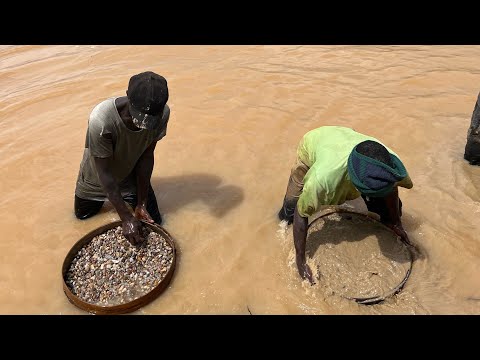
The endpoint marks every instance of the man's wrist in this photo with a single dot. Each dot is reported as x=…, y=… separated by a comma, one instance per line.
x=124, y=216
x=142, y=204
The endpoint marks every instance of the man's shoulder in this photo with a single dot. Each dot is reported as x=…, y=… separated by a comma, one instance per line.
x=105, y=106
x=103, y=113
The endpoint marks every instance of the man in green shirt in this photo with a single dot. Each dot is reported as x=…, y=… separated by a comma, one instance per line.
x=118, y=157
x=335, y=164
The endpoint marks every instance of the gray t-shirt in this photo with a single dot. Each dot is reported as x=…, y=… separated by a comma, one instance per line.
x=109, y=137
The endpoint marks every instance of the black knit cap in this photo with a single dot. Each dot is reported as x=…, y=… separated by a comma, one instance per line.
x=147, y=93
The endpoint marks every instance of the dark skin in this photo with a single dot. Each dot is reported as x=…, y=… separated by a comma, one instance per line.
x=130, y=222
x=390, y=217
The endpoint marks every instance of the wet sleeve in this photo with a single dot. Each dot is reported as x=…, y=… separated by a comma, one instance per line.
x=99, y=138
x=318, y=191
x=304, y=207
x=312, y=197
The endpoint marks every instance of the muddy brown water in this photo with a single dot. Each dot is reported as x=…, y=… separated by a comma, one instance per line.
x=237, y=114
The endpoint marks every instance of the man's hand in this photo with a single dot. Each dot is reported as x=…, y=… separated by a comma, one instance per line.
x=131, y=230
x=305, y=271
x=141, y=213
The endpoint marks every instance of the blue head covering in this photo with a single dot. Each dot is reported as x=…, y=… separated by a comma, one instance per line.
x=372, y=177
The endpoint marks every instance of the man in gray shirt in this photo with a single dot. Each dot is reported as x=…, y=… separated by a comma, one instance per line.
x=118, y=158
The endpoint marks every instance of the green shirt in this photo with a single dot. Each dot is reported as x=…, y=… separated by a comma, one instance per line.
x=108, y=137
x=325, y=151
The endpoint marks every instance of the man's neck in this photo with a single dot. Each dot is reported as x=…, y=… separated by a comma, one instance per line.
x=122, y=108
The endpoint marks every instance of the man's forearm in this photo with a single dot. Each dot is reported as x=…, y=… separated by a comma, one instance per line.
x=144, y=169
x=111, y=188
x=299, y=234
x=115, y=197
